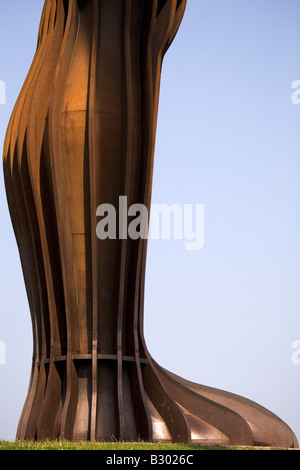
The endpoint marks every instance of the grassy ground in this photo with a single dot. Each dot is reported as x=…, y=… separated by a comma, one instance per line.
x=110, y=446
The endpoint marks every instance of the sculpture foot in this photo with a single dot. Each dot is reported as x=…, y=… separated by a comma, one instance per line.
x=140, y=400
x=183, y=411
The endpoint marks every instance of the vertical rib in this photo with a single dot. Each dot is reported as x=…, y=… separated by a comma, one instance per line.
x=63, y=211
x=93, y=157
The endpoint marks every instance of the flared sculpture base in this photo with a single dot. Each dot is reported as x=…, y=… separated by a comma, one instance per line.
x=173, y=409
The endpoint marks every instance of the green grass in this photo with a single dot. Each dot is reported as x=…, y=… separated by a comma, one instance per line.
x=110, y=446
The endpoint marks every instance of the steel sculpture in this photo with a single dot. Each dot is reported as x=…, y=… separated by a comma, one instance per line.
x=82, y=133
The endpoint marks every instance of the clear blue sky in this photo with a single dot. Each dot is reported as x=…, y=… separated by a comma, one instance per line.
x=229, y=138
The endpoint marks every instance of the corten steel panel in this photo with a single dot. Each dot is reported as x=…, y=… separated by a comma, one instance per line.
x=81, y=134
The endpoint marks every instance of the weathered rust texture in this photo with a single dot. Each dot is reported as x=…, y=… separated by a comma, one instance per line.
x=81, y=134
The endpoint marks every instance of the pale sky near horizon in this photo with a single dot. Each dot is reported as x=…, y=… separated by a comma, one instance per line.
x=229, y=138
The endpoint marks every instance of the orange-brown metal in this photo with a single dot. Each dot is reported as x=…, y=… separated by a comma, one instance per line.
x=81, y=134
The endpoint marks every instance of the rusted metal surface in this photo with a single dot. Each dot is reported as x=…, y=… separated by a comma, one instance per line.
x=81, y=134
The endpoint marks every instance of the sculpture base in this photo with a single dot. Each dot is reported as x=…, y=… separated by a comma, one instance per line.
x=217, y=417
x=174, y=409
